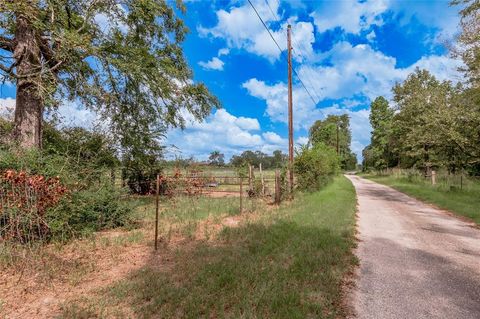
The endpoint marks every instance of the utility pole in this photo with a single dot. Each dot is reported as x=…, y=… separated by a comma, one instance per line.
x=290, y=109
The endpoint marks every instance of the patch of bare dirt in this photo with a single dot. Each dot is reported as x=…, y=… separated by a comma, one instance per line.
x=38, y=288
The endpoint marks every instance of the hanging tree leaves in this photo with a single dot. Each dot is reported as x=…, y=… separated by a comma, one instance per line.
x=121, y=59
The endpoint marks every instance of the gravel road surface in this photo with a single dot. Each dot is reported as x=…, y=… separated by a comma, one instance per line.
x=416, y=261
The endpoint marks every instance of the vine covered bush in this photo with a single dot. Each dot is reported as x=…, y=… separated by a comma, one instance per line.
x=315, y=166
x=52, y=194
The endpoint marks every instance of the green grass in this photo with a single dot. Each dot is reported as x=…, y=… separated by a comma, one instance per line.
x=288, y=263
x=462, y=202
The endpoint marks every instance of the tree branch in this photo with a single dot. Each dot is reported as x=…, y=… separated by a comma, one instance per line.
x=48, y=53
x=8, y=70
x=7, y=44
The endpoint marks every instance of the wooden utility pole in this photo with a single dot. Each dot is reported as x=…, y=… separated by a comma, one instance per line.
x=290, y=110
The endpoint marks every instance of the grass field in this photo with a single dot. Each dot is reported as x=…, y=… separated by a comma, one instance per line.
x=287, y=262
x=464, y=202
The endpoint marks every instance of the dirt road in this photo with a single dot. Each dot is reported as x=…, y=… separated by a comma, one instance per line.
x=415, y=261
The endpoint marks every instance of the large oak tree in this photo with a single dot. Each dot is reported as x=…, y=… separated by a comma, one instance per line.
x=120, y=58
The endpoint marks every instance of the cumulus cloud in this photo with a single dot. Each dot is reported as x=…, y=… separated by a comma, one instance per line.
x=354, y=75
x=224, y=132
x=241, y=29
x=351, y=16
x=223, y=51
x=214, y=64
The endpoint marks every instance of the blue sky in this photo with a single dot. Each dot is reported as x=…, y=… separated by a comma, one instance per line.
x=346, y=53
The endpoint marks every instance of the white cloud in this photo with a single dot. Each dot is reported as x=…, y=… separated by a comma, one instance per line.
x=272, y=137
x=72, y=114
x=302, y=140
x=351, y=16
x=214, y=64
x=224, y=51
x=7, y=108
x=436, y=14
x=354, y=75
x=371, y=36
x=224, y=132
x=241, y=29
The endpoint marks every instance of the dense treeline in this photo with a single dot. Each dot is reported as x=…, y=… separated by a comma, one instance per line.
x=432, y=124
x=255, y=158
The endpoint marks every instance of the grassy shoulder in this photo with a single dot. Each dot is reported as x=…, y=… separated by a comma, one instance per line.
x=462, y=202
x=288, y=262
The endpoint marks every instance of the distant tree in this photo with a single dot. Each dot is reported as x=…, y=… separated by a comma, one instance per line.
x=255, y=158
x=278, y=159
x=381, y=118
x=468, y=41
x=122, y=59
x=216, y=158
x=335, y=132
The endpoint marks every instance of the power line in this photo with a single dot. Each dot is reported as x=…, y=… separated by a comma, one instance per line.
x=307, y=75
x=281, y=51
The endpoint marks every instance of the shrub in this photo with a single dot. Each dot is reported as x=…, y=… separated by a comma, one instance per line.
x=315, y=166
x=90, y=204
x=89, y=210
x=24, y=200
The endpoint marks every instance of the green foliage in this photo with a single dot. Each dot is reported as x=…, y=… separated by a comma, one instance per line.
x=436, y=124
x=83, y=162
x=334, y=132
x=216, y=158
x=121, y=59
x=315, y=166
x=141, y=164
x=469, y=41
x=462, y=202
x=379, y=154
x=93, y=209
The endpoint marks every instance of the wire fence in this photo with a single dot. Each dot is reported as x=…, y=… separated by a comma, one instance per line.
x=24, y=200
x=441, y=179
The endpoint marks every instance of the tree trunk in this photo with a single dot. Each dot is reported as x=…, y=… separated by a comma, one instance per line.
x=29, y=104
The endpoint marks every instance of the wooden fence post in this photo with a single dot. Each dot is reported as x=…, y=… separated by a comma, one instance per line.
x=261, y=178
x=277, y=187
x=289, y=184
x=156, y=210
x=434, y=177
x=241, y=195
x=250, y=177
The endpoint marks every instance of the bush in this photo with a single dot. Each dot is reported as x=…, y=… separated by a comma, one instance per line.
x=89, y=210
x=315, y=166
x=90, y=202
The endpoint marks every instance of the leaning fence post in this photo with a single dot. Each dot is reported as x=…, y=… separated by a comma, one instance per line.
x=241, y=195
x=434, y=177
x=277, y=187
x=250, y=177
x=156, y=210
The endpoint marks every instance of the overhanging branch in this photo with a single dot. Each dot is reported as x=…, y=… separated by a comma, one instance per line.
x=8, y=70
x=7, y=44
